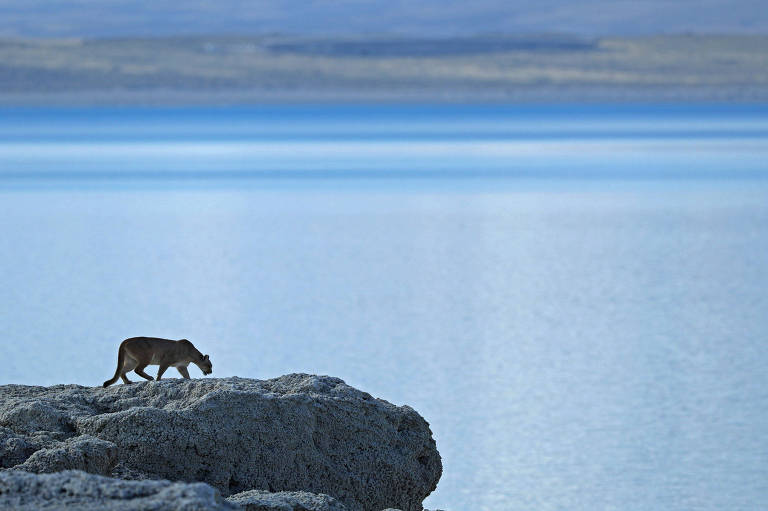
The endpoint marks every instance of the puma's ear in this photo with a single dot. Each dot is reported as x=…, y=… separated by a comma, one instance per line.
x=205, y=357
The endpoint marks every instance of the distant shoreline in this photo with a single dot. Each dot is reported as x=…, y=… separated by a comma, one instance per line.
x=164, y=97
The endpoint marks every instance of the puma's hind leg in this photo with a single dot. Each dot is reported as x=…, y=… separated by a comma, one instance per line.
x=140, y=371
x=129, y=365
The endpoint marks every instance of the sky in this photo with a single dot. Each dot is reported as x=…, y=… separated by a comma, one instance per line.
x=125, y=18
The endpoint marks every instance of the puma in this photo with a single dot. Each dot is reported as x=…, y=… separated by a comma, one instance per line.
x=137, y=353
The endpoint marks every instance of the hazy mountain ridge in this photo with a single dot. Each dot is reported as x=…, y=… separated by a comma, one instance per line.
x=488, y=68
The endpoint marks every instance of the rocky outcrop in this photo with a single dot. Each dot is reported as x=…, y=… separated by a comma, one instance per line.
x=75, y=490
x=258, y=500
x=294, y=433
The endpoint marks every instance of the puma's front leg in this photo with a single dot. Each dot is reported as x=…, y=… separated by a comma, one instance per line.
x=183, y=371
x=161, y=371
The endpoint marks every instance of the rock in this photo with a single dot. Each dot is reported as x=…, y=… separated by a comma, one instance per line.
x=13, y=448
x=295, y=432
x=35, y=415
x=77, y=453
x=22, y=491
x=258, y=500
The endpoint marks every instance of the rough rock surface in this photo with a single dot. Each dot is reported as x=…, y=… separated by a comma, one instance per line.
x=23, y=491
x=258, y=500
x=295, y=432
x=77, y=453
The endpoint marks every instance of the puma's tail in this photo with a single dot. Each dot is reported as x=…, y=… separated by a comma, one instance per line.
x=120, y=361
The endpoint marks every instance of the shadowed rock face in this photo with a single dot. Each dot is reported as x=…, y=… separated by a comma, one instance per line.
x=22, y=491
x=77, y=453
x=296, y=432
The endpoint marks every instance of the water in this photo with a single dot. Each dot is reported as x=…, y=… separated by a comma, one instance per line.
x=573, y=297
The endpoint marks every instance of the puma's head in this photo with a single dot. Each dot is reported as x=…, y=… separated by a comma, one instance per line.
x=205, y=365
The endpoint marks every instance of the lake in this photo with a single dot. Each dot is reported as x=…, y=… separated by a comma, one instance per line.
x=574, y=297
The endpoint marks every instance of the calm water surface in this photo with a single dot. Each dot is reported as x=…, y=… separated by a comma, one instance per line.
x=573, y=297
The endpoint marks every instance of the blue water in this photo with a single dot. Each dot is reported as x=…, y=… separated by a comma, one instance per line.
x=573, y=297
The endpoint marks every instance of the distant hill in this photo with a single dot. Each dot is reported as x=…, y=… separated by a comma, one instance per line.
x=149, y=18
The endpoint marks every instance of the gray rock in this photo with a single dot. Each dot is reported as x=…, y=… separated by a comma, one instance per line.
x=258, y=500
x=14, y=449
x=295, y=432
x=77, y=453
x=76, y=490
x=34, y=415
